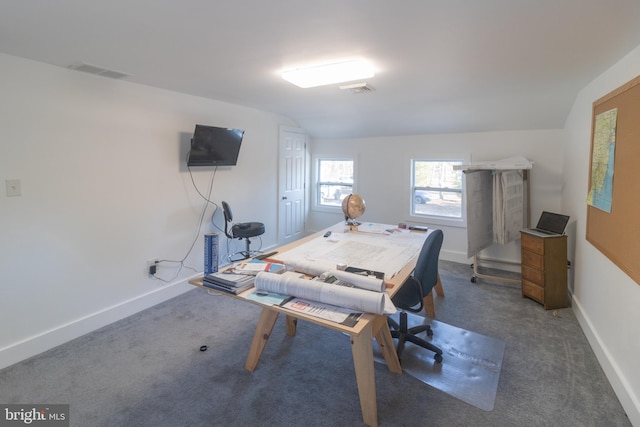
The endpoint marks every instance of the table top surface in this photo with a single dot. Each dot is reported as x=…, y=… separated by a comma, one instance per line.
x=393, y=285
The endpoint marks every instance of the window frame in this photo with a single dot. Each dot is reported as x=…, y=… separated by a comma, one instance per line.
x=438, y=219
x=317, y=204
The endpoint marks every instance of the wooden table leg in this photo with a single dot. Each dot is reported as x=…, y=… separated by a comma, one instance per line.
x=386, y=344
x=362, y=350
x=439, y=288
x=292, y=324
x=264, y=327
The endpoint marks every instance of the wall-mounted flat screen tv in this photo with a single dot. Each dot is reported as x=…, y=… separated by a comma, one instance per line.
x=214, y=146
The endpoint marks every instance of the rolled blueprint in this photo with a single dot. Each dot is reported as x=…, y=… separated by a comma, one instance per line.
x=369, y=283
x=312, y=268
x=355, y=299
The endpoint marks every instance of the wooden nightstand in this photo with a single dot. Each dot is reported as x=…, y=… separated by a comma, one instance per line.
x=544, y=269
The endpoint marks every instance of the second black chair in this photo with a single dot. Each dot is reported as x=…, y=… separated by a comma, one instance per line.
x=411, y=294
x=242, y=230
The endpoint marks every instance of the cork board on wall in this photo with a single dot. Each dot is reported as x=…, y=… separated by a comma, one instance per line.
x=617, y=233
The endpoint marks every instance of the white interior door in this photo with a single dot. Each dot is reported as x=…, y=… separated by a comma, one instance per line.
x=292, y=184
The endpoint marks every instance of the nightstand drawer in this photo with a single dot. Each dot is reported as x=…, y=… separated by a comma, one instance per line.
x=532, y=260
x=532, y=243
x=532, y=290
x=533, y=275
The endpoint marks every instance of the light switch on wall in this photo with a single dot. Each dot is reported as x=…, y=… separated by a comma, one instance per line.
x=13, y=187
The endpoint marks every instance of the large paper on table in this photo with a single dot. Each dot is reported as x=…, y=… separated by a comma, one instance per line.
x=385, y=253
x=341, y=296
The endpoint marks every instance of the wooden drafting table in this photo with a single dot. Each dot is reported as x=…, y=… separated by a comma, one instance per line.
x=361, y=335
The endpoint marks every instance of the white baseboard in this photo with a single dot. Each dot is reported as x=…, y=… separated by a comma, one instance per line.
x=47, y=340
x=500, y=264
x=620, y=385
x=455, y=256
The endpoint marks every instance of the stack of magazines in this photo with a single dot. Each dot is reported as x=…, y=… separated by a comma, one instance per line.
x=229, y=282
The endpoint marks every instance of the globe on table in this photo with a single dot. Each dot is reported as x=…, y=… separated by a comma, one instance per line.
x=353, y=207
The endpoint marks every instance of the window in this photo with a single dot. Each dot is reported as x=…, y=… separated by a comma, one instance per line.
x=437, y=189
x=335, y=181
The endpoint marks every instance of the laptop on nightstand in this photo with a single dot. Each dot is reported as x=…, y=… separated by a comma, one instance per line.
x=549, y=224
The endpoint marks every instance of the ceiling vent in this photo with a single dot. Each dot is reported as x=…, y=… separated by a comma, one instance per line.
x=100, y=71
x=358, y=88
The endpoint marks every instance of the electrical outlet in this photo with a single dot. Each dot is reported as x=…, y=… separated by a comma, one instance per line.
x=152, y=266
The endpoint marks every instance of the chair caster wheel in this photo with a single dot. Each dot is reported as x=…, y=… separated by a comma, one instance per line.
x=474, y=279
x=438, y=358
x=429, y=332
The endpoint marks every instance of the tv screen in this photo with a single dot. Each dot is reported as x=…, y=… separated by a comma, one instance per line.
x=214, y=146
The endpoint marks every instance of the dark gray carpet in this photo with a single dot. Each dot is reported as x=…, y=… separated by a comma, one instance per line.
x=147, y=370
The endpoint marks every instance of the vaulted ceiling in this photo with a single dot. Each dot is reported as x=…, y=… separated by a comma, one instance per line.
x=442, y=66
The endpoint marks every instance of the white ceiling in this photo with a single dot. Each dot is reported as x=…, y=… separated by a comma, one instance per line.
x=442, y=66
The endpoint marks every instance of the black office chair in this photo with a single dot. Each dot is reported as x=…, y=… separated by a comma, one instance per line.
x=242, y=230
x=411, y=294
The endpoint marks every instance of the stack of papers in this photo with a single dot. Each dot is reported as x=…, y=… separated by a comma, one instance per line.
x=255, y=266
x=229, y=282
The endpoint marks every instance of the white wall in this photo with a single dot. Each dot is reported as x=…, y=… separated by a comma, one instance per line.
x=104, y=189
x=383, y=176
x=606, y=300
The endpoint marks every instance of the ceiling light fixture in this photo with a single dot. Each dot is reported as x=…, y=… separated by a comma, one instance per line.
x=327, y=74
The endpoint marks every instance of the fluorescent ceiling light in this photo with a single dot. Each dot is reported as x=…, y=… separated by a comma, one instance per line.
x=327, y=74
